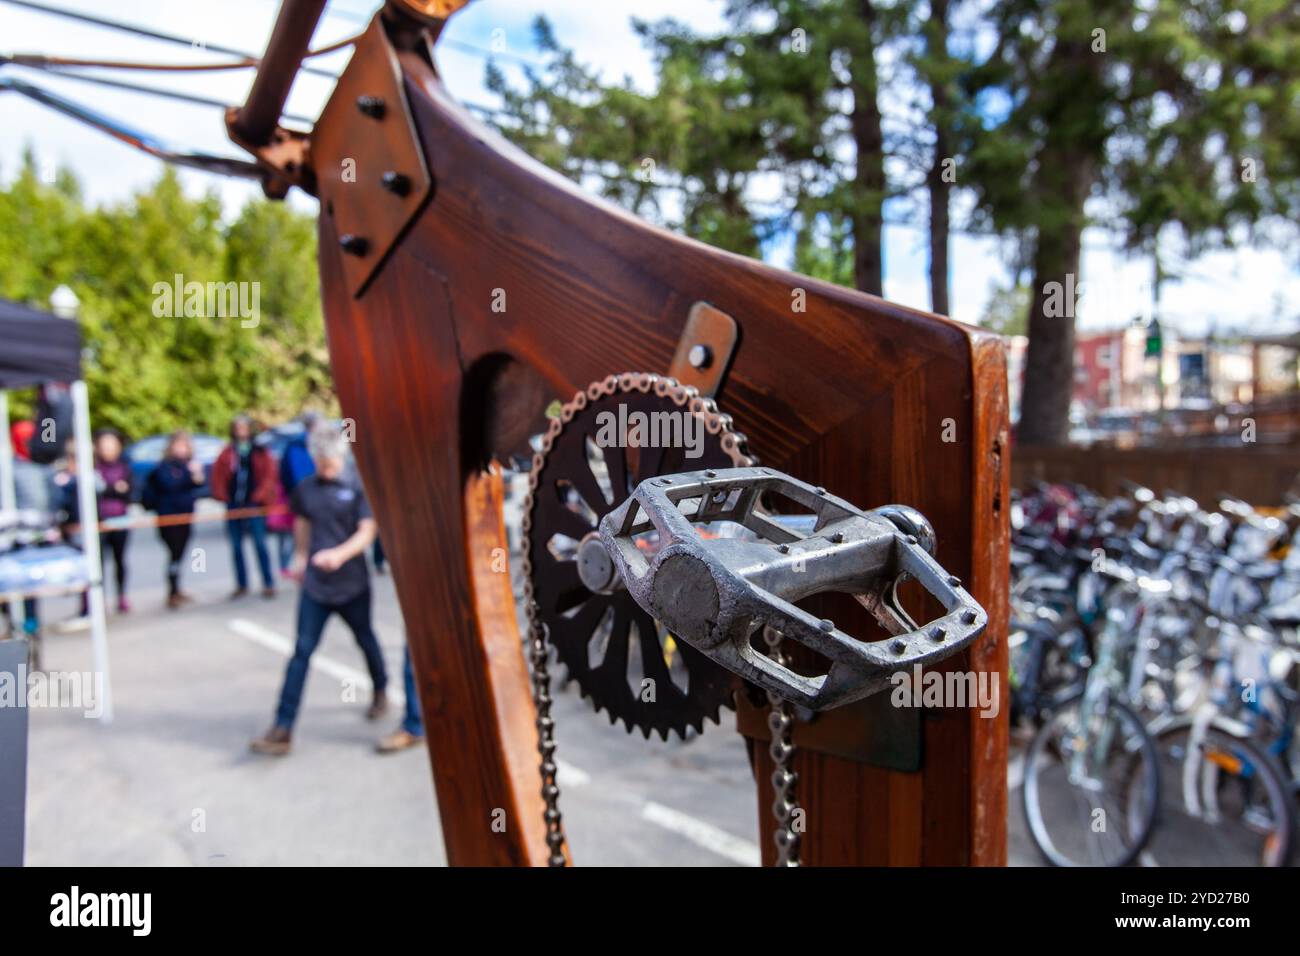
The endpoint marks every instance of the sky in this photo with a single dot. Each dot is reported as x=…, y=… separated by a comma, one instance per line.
x=1252, y=290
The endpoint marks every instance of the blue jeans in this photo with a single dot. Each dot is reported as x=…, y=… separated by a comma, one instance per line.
x=312, y=616
x=411, y=723
x=235, y=531
x=284, y=548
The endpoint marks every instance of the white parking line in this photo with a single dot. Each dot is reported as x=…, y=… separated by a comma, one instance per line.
x=702, y=834
x=1016, y=772
x=569, y=775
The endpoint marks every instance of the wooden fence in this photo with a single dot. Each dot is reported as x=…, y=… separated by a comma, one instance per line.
x=1259, y=475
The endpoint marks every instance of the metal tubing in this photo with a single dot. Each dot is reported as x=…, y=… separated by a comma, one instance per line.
x=285, y=50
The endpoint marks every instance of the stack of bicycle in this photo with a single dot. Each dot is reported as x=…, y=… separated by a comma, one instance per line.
x=1154, y=658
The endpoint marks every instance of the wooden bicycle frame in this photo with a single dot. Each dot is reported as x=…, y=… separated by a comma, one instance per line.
x=506, y=287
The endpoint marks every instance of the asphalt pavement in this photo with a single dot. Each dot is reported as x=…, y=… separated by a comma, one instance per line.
x=171, y=780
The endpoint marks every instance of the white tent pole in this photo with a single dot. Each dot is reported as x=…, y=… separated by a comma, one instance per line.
x=8, y=492
x=89, y=520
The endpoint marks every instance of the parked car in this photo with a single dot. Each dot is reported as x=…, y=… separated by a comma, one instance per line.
x=145, y=454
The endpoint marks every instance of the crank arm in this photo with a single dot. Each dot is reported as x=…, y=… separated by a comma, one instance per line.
x=716, y=593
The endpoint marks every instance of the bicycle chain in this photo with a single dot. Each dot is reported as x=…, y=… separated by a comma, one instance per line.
x=785, y=805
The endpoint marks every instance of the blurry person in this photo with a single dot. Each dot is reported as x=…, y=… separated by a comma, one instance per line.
x=67, y=508
x=113, y=485
x=244, y=477
x=32, y=492
x=280, y=523
x=411, y=732
x=296, y=463
x=63, y=493
x=171, y=490
x=332, y=530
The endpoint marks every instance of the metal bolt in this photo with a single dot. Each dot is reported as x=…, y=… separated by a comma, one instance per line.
x=399, y=184
x=954, y=580
x=372, y=106
x=820, y=490
x=837, y=537
x=710, y=474
x=354, y=245
x=938, y=634
x=898, y=647
x=700, y=356
x=783, y=548
x=968, y=616
x=826, y=625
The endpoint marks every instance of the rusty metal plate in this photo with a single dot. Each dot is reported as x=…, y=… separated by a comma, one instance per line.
x=711, y=335
x=371, y=174
x=870, y=731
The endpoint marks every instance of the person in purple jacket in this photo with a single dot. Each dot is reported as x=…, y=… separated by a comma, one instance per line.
x=113, y=489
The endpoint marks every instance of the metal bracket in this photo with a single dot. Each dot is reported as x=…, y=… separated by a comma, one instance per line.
x=871, y=731
x=371, y=173
x=705, y=349
x=285, y=161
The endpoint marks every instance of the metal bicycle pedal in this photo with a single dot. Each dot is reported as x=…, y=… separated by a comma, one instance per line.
x=715, y=593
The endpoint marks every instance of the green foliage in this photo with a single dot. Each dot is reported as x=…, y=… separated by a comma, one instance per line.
x=1007, y=310
x=148, y=373
x=774, y=94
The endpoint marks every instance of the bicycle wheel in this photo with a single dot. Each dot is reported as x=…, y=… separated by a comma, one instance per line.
x=1091, y=785
x=1224, y=802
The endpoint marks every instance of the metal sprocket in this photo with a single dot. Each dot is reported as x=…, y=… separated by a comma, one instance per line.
x=575, y=482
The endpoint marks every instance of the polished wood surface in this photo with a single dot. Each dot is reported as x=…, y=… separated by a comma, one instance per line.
x=852, y=392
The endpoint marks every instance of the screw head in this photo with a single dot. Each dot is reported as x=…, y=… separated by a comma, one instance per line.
x=399, y=184
x=825, y=625
x=700, y=356
x=372, y=106
x=354, y=245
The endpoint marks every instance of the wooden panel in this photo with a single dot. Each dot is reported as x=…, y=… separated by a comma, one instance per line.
x=852, y=393
x=1260, y=475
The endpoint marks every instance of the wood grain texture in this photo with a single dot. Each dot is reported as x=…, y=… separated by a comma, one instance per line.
x=852, y=393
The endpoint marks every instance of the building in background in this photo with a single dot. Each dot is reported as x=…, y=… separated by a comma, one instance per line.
x=1141, y=379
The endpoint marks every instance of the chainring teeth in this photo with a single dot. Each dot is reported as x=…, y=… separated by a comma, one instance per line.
x=710, y=687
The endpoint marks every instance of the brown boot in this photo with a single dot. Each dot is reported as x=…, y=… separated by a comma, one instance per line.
x=273, y=743
x=378, y=707
x=398, y=740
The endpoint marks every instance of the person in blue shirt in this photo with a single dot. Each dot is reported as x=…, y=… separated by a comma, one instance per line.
x=170, y=491
x=296, y=462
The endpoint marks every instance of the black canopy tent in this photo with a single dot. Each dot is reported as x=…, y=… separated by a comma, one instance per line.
x=37, y=347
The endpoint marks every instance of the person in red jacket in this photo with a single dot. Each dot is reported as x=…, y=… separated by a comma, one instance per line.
x=243, y=477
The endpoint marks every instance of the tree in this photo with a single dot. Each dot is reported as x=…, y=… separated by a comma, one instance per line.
x=1007, y=310
x=788, y=89
x=149, y=372
x=1145, y=110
